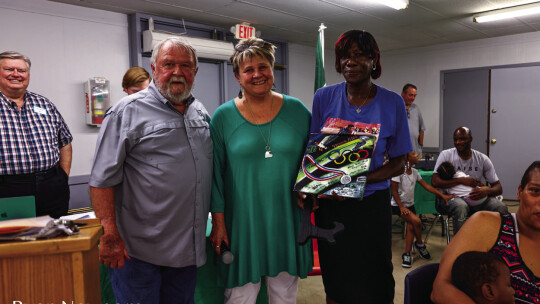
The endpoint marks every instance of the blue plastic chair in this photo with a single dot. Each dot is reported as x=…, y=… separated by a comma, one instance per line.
x=419, y=284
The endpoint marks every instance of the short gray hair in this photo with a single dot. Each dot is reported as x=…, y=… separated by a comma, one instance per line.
x=249, y=48
x=16, y=55
x=176, y=41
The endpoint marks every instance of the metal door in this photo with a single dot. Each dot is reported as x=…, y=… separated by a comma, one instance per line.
x=514, y=124
x=465, y=103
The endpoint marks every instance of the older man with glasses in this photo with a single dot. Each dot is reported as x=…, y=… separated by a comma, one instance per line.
x=150, y=184
x=414, y=116
x=35, y=142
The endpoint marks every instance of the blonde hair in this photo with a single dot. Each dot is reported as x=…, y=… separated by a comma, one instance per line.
x=134, y=77
x=249, y=48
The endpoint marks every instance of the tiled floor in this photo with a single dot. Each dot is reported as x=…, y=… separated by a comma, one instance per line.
x=311, y=290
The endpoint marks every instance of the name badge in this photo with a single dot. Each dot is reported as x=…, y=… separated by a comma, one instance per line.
x=39, y=110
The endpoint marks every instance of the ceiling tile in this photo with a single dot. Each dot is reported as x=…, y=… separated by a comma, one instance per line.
x=424, y=22
x=306, y=8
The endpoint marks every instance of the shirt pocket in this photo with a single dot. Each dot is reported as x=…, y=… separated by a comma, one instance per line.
x=199, y=130
x=162, y=143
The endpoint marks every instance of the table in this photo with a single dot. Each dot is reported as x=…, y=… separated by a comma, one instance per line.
x=53, y=270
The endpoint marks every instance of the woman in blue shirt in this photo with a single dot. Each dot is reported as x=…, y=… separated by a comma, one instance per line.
x=357, y=268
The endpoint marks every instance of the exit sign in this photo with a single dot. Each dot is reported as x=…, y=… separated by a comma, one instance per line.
x=244, y=31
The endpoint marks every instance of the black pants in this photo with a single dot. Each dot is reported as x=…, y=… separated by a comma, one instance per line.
x=358, y=267
x=50, y=189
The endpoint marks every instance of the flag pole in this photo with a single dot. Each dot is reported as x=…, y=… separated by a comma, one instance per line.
x=320, y=80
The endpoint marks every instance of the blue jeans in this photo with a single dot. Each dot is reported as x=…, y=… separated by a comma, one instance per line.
x=140, y=282
x=459, y=210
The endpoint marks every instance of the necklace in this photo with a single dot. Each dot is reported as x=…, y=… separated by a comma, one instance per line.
x=268, y=153
x=358, y=110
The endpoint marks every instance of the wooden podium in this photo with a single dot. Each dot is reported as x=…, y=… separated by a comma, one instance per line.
x=58, y=270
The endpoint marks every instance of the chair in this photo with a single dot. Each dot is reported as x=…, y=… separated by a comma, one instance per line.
x=425, y=204
x=419, y=284
x=444, y=218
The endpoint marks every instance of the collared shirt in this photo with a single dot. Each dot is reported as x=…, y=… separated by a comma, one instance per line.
x=30, y=138
x=416, y=125
x=160, y=163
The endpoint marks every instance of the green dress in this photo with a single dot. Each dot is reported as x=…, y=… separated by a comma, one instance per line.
x=255, y=193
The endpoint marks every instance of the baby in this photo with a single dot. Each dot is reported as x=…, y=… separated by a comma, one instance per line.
x=447, y=171
x=483, y=277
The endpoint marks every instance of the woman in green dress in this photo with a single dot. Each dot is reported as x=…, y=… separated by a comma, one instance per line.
x=259, y=140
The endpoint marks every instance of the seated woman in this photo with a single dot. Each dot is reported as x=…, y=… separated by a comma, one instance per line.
x=513, y=237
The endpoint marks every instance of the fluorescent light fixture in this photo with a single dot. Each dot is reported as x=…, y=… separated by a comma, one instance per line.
x=396, y=4
x=510, y=12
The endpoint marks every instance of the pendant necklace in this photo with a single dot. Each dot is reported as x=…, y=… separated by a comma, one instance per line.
x=268, y=153
x=358, y=110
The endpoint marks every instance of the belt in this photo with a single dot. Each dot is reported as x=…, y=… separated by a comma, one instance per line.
x=31, y=177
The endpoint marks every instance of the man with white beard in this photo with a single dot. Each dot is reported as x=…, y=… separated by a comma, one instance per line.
x=150, y=183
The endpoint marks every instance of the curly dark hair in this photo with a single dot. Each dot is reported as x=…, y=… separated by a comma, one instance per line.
x=446, y=170
x=474, y=268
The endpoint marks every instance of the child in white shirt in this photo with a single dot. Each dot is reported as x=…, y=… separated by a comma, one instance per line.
x=403, y=205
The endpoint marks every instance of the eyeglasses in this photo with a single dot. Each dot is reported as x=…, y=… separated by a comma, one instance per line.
x=359, y=57
x=408, y=114
x=242, y=46
x=186, y=68
x=13, y=70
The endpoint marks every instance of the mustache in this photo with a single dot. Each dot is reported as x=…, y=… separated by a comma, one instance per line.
x=177, y=79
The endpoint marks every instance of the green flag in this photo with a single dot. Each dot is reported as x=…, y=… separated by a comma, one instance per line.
x=320, y=80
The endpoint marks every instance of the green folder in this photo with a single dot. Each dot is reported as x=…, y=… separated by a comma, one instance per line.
x=17, y=207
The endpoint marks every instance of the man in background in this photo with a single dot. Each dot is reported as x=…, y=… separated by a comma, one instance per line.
x=414, y=116
x=35, y=142
x=150, y=183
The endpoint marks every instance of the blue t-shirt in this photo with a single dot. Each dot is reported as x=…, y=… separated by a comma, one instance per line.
x=387, y=109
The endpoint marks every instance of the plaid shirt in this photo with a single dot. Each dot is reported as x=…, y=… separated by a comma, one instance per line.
x=30, y=139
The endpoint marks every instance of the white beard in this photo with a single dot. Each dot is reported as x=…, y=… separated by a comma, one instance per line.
x=175, y=99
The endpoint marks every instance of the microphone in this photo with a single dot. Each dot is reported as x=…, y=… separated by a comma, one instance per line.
x=226, y=255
